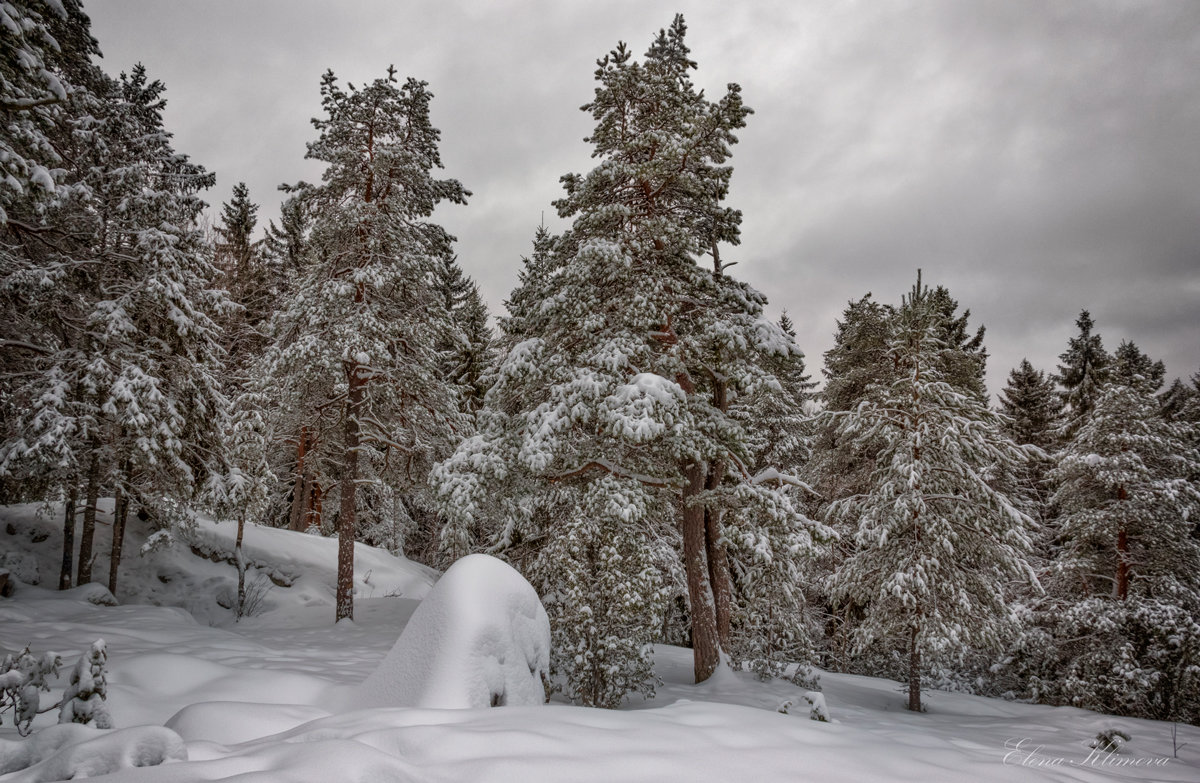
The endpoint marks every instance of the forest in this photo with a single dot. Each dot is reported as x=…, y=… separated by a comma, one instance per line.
x=632, y=434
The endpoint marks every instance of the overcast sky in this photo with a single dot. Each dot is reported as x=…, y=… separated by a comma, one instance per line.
x=1034, y=157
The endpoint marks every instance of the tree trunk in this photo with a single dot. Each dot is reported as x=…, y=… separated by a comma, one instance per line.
x=346, y=519
x=914, y=672
x=120, y=514
x=1122, y=565
x=68, y=554
x=297, y=518
x=89, y=523
x=714, y=545
x=718, y=560
x=1122, y=555
x=706, y=646
x=240, y=562
x=313, y=515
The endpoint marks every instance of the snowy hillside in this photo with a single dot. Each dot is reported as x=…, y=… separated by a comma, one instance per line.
x=259, y=699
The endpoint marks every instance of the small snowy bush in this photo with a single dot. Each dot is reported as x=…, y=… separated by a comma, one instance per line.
x=85, y=700
x=22, y=680
x=817, y=709
x=1110, y=740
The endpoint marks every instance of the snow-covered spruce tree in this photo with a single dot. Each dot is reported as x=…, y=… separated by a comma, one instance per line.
x=153, y=347
x=361, y=324
x=467, y=351
x=45, y=82
x=1126, y=486
x=285, y=244
x=856, y=362
x=254, y=279
x=1179, y=397
x=1084, y=369
x=1132, y=367
x=124, y=400
x=632, y=351
x=1032, y=409
x=935, y=543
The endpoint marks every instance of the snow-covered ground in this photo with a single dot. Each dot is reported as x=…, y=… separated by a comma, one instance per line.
x=272, y=697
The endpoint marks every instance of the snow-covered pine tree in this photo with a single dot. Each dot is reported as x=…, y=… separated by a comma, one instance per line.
x=361, y=325
x=243, y=487
x=1084, y=369
x=769, y=629
x=935, y=544
x=604, y=586
x=1123, y=484
x=1126, y=487
x=631, y=350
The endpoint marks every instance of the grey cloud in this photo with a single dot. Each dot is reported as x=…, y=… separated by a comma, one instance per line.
x=1035, y=157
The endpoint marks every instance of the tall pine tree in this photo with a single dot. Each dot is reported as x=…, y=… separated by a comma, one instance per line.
x=935, y=543
x=634, y=354
x=362, y=323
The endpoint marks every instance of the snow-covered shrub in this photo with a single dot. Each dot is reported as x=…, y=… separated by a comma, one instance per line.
x=85, y=699
x=817, y=709
x=22, y=566
x=806, y=677
x=480, y=638
x=1110, y=740
x=22, y=680
x=604, y=593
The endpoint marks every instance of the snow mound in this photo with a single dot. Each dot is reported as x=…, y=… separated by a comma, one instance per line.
x=69, y=751
x=480, y=638
x=232, y=722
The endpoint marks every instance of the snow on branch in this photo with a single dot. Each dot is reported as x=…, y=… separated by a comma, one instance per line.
x=767, y=475
x=608, y=467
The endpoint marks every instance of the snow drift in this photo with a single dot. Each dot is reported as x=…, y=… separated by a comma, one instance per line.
x=480, y=638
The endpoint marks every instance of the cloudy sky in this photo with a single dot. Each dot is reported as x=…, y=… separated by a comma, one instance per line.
x=1036, y=157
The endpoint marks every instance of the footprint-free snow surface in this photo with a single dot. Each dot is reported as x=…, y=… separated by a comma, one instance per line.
x=272, y=697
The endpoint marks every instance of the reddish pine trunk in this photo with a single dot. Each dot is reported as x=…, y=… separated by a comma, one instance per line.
x=120, y=514
x=706, y=647
x=914, y=672
x=314, y=505
x=68, y=554
x=298, y=517
x=89, y=523
x=346, y=518
x=718, y=561
x=1122, y=554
